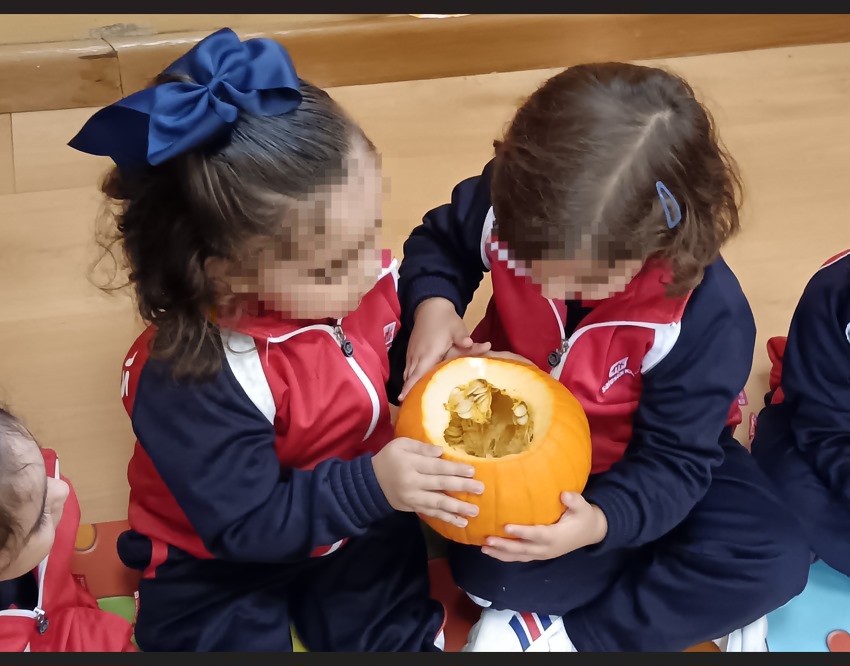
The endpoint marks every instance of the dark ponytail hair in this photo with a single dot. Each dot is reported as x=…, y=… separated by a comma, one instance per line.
x=170, y=219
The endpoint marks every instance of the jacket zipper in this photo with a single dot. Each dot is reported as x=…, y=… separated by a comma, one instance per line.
x=344, y=343
x=347, y=348
x=558, y=357
x=42, y=622
x=348, y=351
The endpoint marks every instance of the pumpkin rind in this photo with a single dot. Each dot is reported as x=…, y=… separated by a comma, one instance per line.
x=523, y=488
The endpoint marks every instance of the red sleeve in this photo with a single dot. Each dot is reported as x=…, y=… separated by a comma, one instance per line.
x=776, y=354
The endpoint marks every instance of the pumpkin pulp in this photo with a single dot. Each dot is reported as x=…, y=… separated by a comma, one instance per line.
x=486, y=422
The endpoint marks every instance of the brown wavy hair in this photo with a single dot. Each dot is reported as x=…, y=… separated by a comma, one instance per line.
x=578, y=166
x=12, y=497
x=212, y=203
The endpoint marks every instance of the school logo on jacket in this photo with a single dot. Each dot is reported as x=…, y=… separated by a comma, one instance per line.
x=619, y=370
x=125, y=376
x=389, y=334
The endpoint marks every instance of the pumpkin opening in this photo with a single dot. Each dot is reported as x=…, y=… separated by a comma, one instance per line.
x=493, y=432
x=486, y=422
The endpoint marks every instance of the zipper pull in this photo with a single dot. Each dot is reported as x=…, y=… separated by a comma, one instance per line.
x=344, y=343
x=556, y=356
x=41, y=621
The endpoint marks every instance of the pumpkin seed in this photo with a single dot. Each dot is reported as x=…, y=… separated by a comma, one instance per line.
x=477, y=387
x=483, y=402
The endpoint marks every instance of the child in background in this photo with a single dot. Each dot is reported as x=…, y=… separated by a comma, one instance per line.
x=265, y=486
x=803, y=436
x=601, y=221
x=44, y=608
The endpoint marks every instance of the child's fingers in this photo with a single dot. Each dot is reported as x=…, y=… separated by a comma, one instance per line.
x=410, y=366
x=452, y=484
x=420, y=364
x=538, y=534
x=509, y=356
x=415, y=354
x=455, y=352
x=480, y=348
x=461, y=338
x=437, y=501
x=506, y=555
x=446, y=517
x=510, y=550
x=477, y=349
x=405, y=389
x=421, y=448
x=440, y=467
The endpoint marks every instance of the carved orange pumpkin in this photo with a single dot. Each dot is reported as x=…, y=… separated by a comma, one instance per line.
x=523, y=431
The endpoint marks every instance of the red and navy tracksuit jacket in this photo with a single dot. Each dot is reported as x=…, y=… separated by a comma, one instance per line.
x=657, y=376
x=267, y=463
x=48, y=610
x=802, y=436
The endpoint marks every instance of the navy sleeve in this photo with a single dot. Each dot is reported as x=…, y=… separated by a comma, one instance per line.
x=816, y=376
x=678, y=424
x=216, y=454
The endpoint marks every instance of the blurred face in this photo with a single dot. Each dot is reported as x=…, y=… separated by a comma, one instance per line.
x=37, y=512
x=334, y=258
x=586, y=279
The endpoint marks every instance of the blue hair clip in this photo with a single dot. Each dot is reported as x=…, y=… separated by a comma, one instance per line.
x=666, y=200
x=229, y=76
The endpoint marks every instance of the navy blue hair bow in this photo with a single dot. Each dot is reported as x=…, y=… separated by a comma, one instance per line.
x=158, y=123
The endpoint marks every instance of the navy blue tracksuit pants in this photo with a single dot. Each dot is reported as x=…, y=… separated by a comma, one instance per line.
x=372, y=595
x=823, y=514
x=736, y=557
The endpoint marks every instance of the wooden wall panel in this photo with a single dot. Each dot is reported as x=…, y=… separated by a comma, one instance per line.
x=43, y=160
x=61, y=75
x=373, y=48
x=7, y=160
x=409, y=49
x=34, y=28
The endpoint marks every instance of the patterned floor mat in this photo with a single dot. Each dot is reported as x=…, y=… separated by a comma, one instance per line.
x=818, y=620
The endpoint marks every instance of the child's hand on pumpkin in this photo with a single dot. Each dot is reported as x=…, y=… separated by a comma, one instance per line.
x=414, y=478
x=581, y=525
x=438, y=334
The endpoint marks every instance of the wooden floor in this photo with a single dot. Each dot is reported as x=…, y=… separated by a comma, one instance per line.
x=785, y=114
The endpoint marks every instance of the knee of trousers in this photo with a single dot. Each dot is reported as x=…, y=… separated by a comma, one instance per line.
x=783, y=570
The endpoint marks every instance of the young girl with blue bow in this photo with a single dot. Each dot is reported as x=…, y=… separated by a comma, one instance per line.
x=265, y=486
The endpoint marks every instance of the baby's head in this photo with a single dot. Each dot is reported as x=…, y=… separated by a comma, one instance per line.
x=606, y=166
x=31, y=502
x=278, y=210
